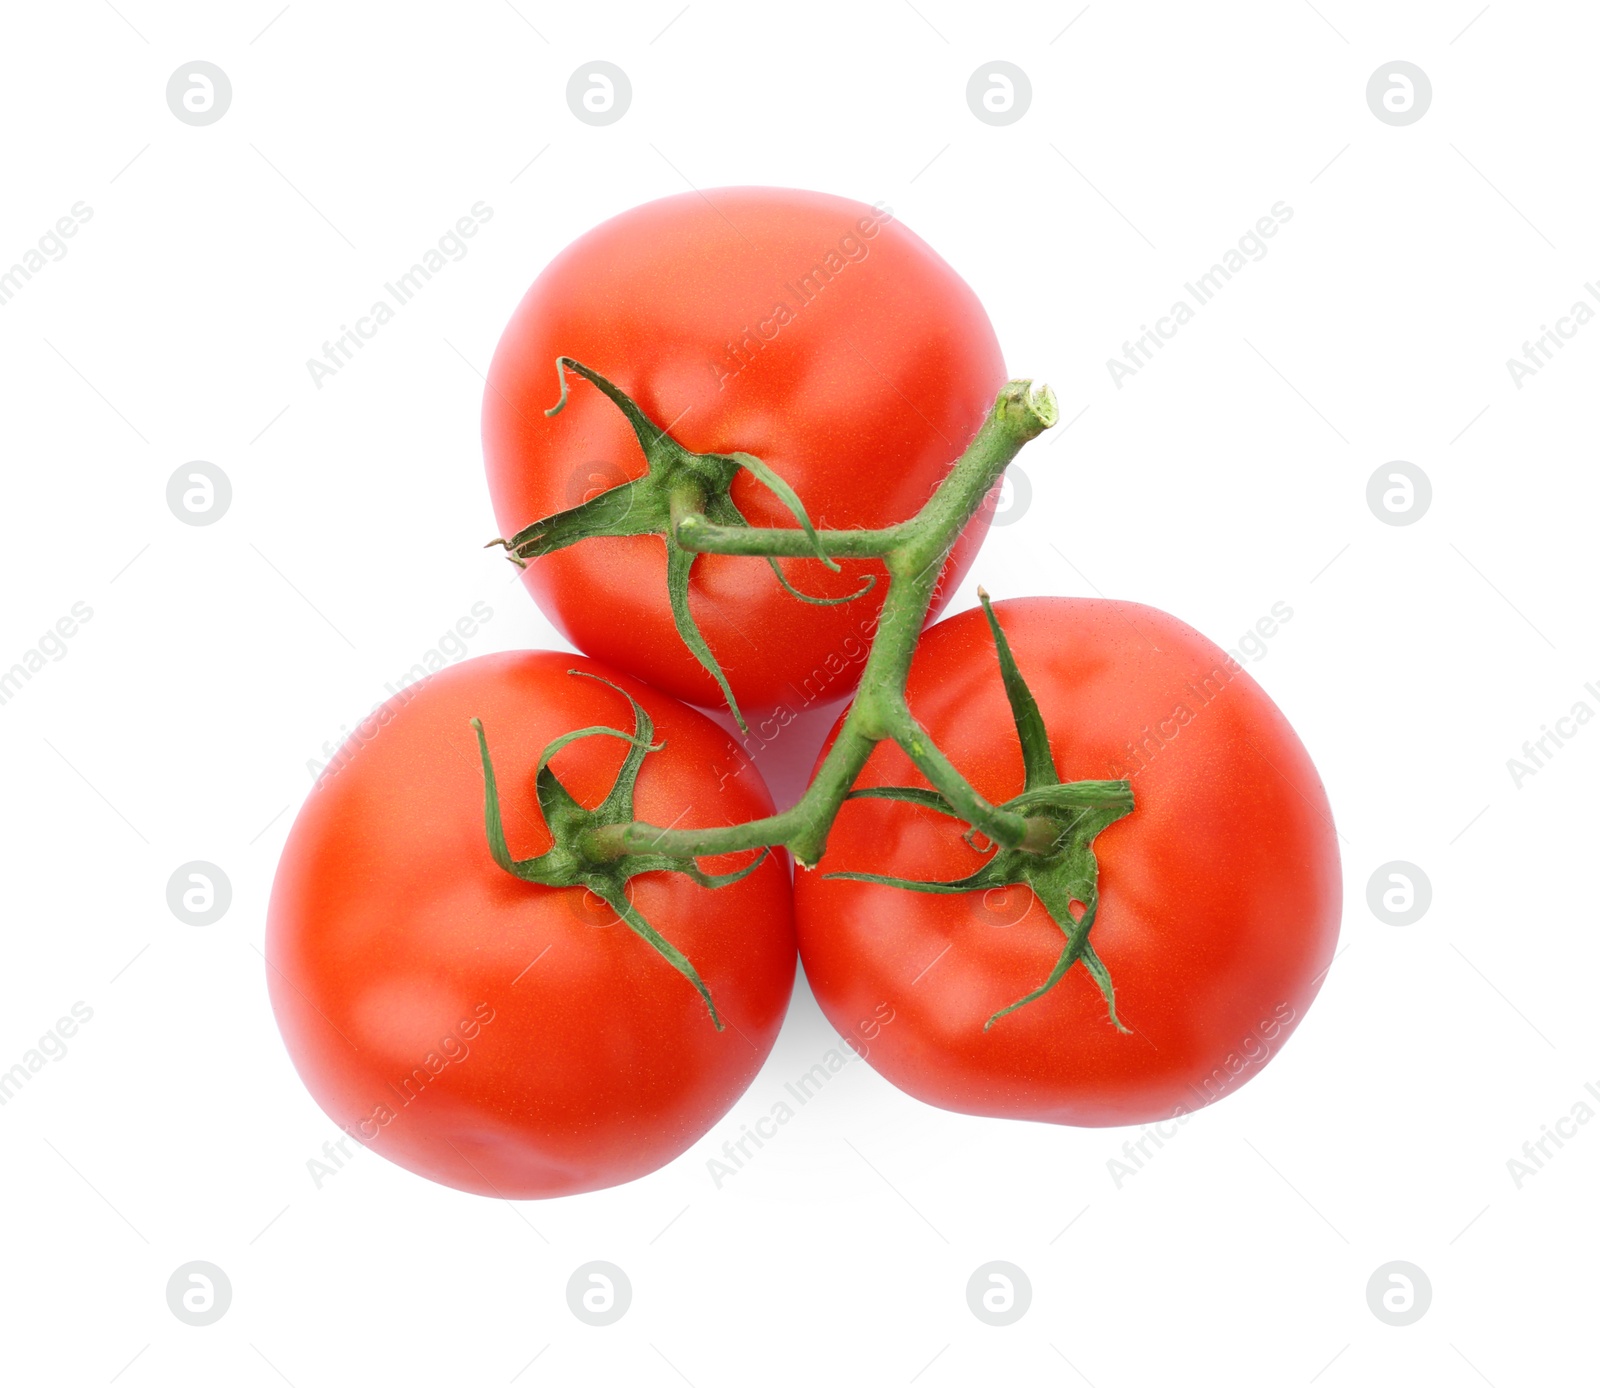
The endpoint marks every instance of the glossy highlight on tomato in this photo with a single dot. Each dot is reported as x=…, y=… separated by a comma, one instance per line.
x=496, y=1035
x=1219, y=895
x=815, y=332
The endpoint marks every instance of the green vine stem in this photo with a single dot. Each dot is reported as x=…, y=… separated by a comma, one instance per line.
x=913, y=552
x=1040, y=838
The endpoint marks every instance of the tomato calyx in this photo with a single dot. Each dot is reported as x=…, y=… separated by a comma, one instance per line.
x=679, y=489
x=1056, y=860
x=576, y=857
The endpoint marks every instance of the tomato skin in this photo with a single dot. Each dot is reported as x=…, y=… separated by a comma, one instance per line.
x=401, y=959
x=862, y=401
x=1219, y=895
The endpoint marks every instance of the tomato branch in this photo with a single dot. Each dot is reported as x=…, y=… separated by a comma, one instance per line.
x=914, y=553
x=694, y=532
x=1041, y=838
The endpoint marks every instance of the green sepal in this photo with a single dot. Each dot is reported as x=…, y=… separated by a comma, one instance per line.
x=984, y=879
x=499, y=850
x=679, y=564
x=1063, y=962
x=644, y=428
x=786, y=494
x=567, y=863
x=1102, y=977
x=1069, y=871
x=561, y=810
x=869, y=582
x=696, y=483
x=1039, y=766
x=616, y=898
x=633, y=508
x=1056, y=885
x=661, y=862
x=620, y=797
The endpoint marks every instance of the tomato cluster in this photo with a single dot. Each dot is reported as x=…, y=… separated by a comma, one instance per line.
x=490, y=970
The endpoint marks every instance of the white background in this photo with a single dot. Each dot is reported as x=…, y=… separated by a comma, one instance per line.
x=1230, y=474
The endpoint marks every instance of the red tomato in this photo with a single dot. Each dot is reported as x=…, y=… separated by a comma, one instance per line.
x=1219, y=896
x=812, y=331
x=491, y=1034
